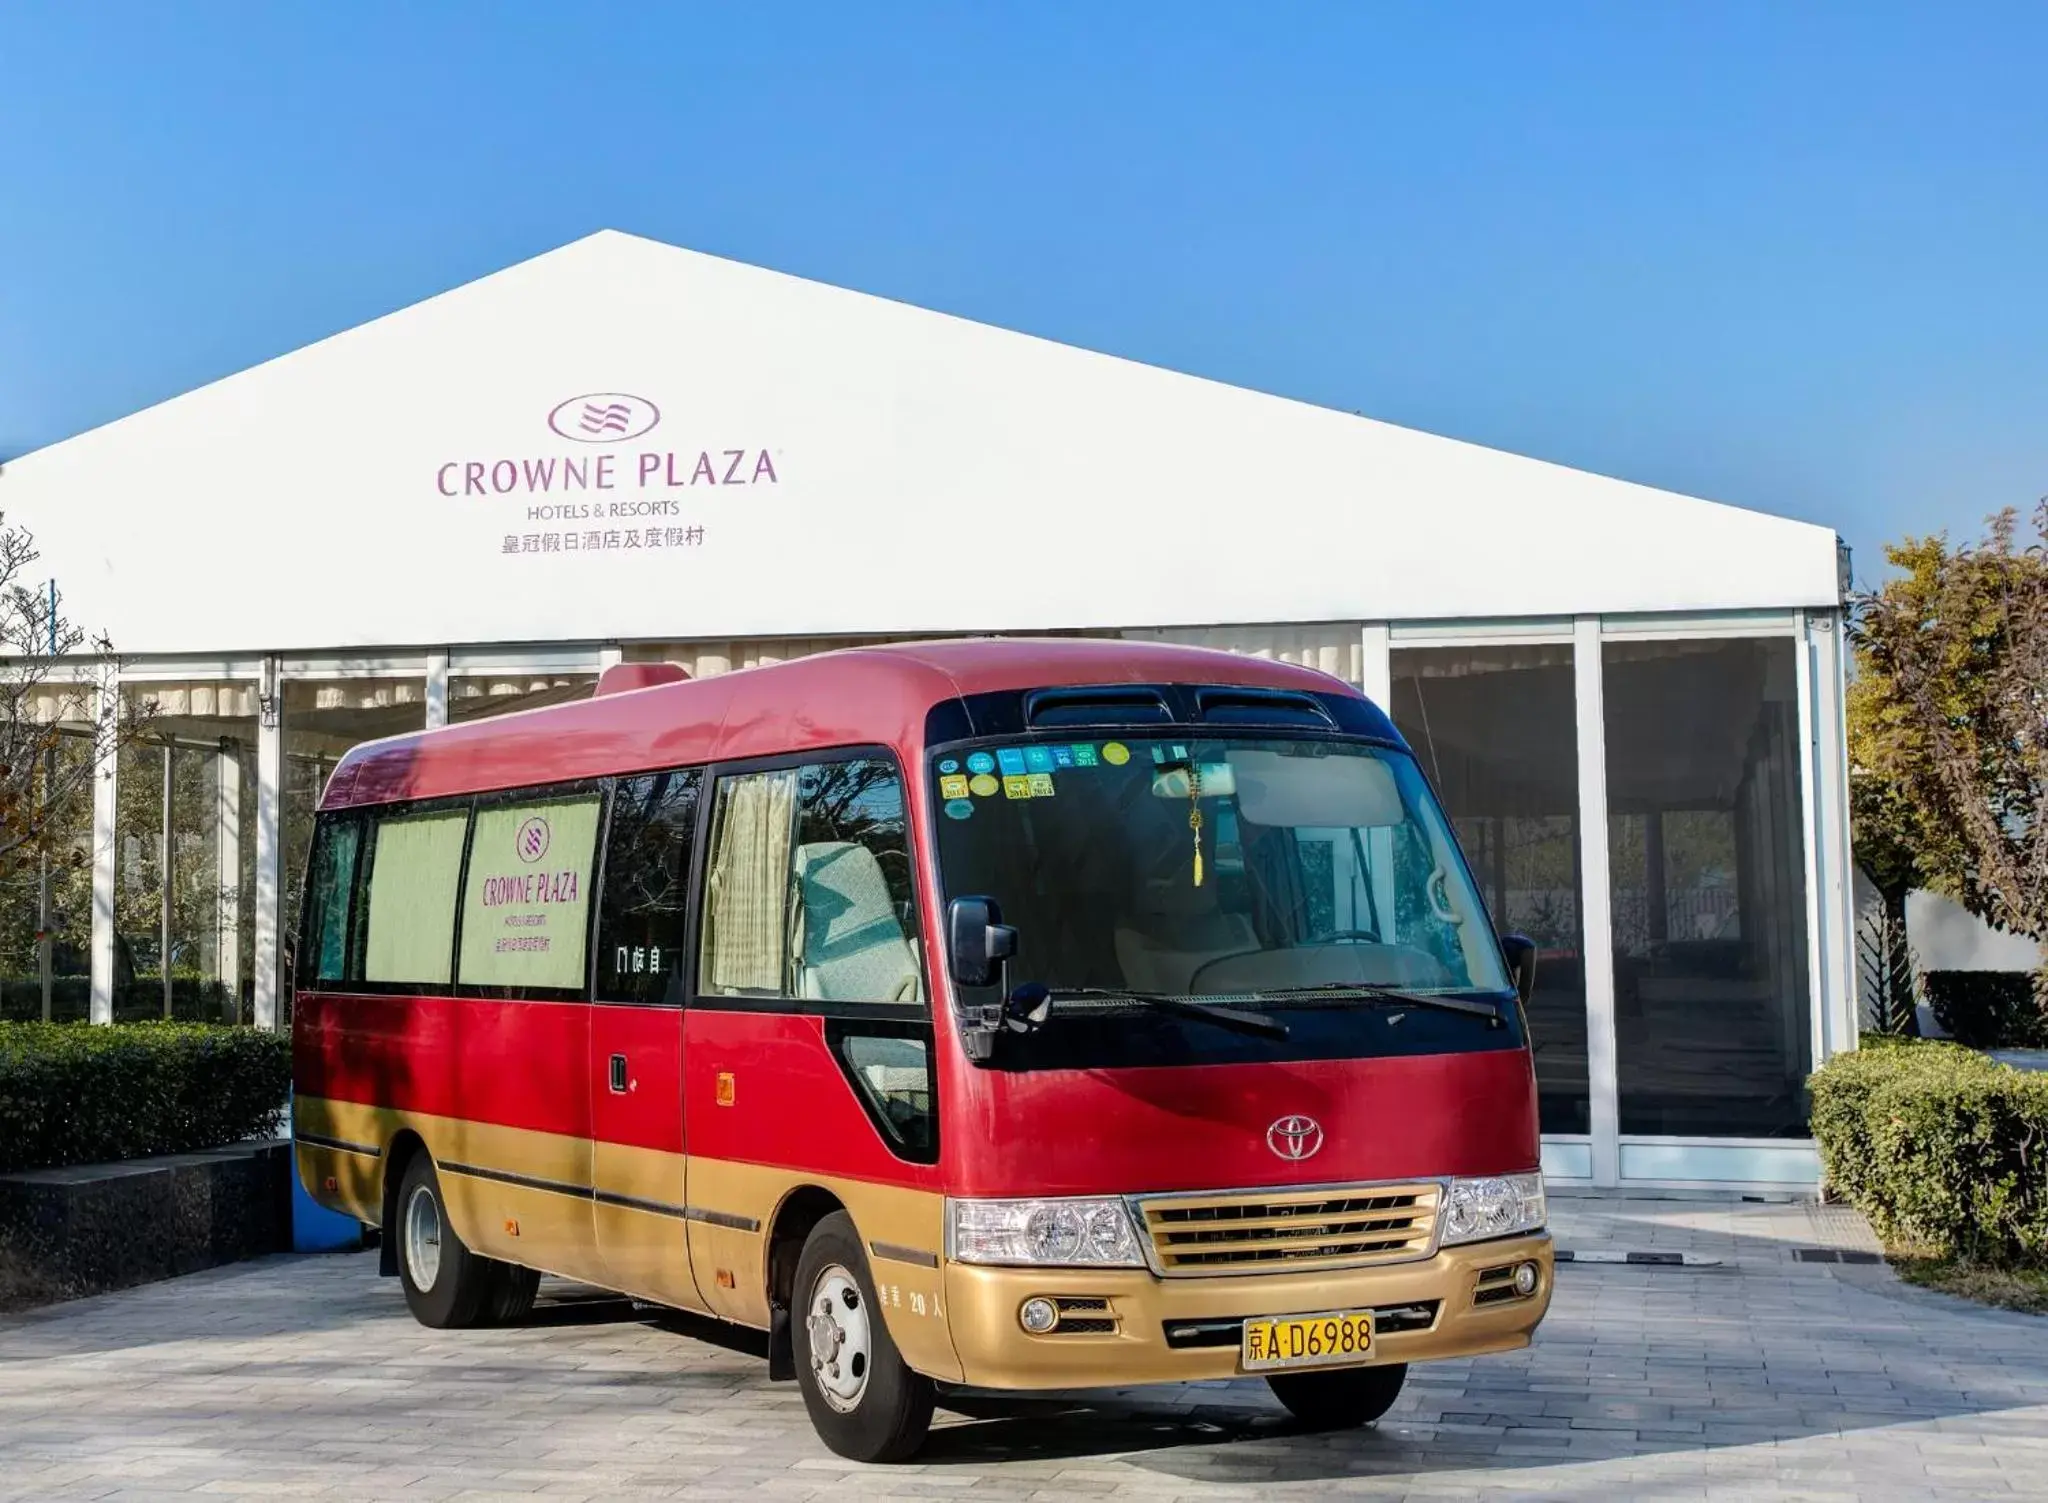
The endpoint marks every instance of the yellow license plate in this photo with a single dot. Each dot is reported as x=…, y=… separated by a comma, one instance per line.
x=1332, y=1339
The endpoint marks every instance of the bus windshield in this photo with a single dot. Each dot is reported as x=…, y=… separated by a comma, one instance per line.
x=1252, y=869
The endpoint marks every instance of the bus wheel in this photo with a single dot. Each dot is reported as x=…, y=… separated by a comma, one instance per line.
x=1340, y=1400
x=513, y=1290
x=864, y=1401
x=446, y=1285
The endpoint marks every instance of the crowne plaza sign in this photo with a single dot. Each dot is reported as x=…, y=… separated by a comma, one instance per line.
x=601, y=478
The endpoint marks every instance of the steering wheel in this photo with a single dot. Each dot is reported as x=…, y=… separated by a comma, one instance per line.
x=1358, y=936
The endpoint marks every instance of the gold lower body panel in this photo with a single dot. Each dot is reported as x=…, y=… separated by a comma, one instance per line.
x=595, y=1226
x=996, y=1352
x=951, y=1321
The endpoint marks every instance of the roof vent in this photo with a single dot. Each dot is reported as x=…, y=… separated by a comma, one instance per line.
x=1258, y=706
x=1105, y=704
x=622, y=678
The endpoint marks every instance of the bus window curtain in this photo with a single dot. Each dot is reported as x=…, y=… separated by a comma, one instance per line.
x=413, y=872
x=749, y=898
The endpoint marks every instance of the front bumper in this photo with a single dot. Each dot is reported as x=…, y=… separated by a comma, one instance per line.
x=1170, y=1330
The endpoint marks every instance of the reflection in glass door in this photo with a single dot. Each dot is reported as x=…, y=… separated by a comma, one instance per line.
x=1713, y=1021
x=1495, y=730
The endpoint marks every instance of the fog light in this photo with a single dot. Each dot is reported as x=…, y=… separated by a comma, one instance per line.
x=1525, y=1278
x=1038, y=1316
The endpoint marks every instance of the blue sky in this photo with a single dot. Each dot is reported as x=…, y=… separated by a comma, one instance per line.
x=1791, y=256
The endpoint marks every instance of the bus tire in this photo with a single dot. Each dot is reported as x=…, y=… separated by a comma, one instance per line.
x=1340, y=1400
x=864, y=1401
x=446, y=1285
x=513, y=1291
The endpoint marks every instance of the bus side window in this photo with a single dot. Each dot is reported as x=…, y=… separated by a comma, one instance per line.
x=854, y=933
x=408, y=896
x=322, y=949
x=808, y=892
x=893, y=1074
x=745, y=949
x=526, y=905
x=646, y=887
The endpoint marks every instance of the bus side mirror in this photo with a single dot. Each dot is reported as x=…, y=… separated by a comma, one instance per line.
x=1520, y=953
x=978, y=942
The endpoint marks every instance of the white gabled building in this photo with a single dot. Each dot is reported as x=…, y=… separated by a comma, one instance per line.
x=1631, y=700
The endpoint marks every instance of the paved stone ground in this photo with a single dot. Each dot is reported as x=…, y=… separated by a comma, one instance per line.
x=1762, y=1377
x=1749, y=1234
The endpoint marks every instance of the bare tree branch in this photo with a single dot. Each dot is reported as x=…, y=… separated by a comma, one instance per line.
x=61, y=717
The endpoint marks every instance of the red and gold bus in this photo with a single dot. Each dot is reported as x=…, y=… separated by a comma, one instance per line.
x=1002, y=1014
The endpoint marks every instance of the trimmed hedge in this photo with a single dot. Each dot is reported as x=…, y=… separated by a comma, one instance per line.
x=1988, y=1009
x=71, y=1093
x=1939, y=1146
x=192, y=1000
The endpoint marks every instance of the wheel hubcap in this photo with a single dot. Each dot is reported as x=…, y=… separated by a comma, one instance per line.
x=840, y=1338
x=423, y=1238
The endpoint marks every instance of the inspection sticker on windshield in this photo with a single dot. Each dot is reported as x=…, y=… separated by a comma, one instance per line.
x=1041, y=784
x=959, y=808
x=1116, y=754
x=1062, y=756
x=1017, y=785
x=1084, y=755
x=981, y=785
x=980, y=762
x=953, y=786
x=1038, y=759
x=1011, y=759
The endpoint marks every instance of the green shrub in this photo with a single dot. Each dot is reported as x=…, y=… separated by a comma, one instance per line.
x=71, y=1093
x=193, y=1000
x=1988, y=1009
x=1939, y=1147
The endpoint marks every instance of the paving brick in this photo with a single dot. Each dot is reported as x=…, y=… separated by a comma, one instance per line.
x=1762, y=1378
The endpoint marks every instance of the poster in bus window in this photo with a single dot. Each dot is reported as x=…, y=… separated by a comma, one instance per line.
x=525, y=911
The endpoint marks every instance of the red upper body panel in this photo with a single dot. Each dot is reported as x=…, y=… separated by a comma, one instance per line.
x=1051, y=1132
x=874, y=696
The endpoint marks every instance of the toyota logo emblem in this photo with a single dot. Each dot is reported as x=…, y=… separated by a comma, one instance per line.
x=1295, y=1138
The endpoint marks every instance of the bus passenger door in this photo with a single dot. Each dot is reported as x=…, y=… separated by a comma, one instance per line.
x=638, y=1163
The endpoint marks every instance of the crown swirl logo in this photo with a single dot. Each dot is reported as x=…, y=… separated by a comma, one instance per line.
x=611, y=419
x=603, y=417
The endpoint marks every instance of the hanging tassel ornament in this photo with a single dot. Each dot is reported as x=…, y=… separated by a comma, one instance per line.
x=1195, y=816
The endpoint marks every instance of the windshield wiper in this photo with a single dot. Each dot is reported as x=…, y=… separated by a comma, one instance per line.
x=1378, y=993
x=1186, y=1007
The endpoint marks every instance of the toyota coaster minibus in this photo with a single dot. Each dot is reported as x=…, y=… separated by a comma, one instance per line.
x=997, y=1014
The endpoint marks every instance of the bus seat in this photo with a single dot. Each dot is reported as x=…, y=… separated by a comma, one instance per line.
x=850, y=945
x=1175, y=929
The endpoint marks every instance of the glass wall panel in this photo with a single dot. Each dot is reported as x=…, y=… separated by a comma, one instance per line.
x=185, y=855
x=1712, y=1013
x=1495, y=729
x=475, y=696
x=323, y=718
x=53, y=890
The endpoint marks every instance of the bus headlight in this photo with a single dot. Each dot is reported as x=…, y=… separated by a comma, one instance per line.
x=1500, y=1205
x=1042, y=1233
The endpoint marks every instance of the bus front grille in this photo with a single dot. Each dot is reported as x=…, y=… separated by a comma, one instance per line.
x=1263, y=1231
